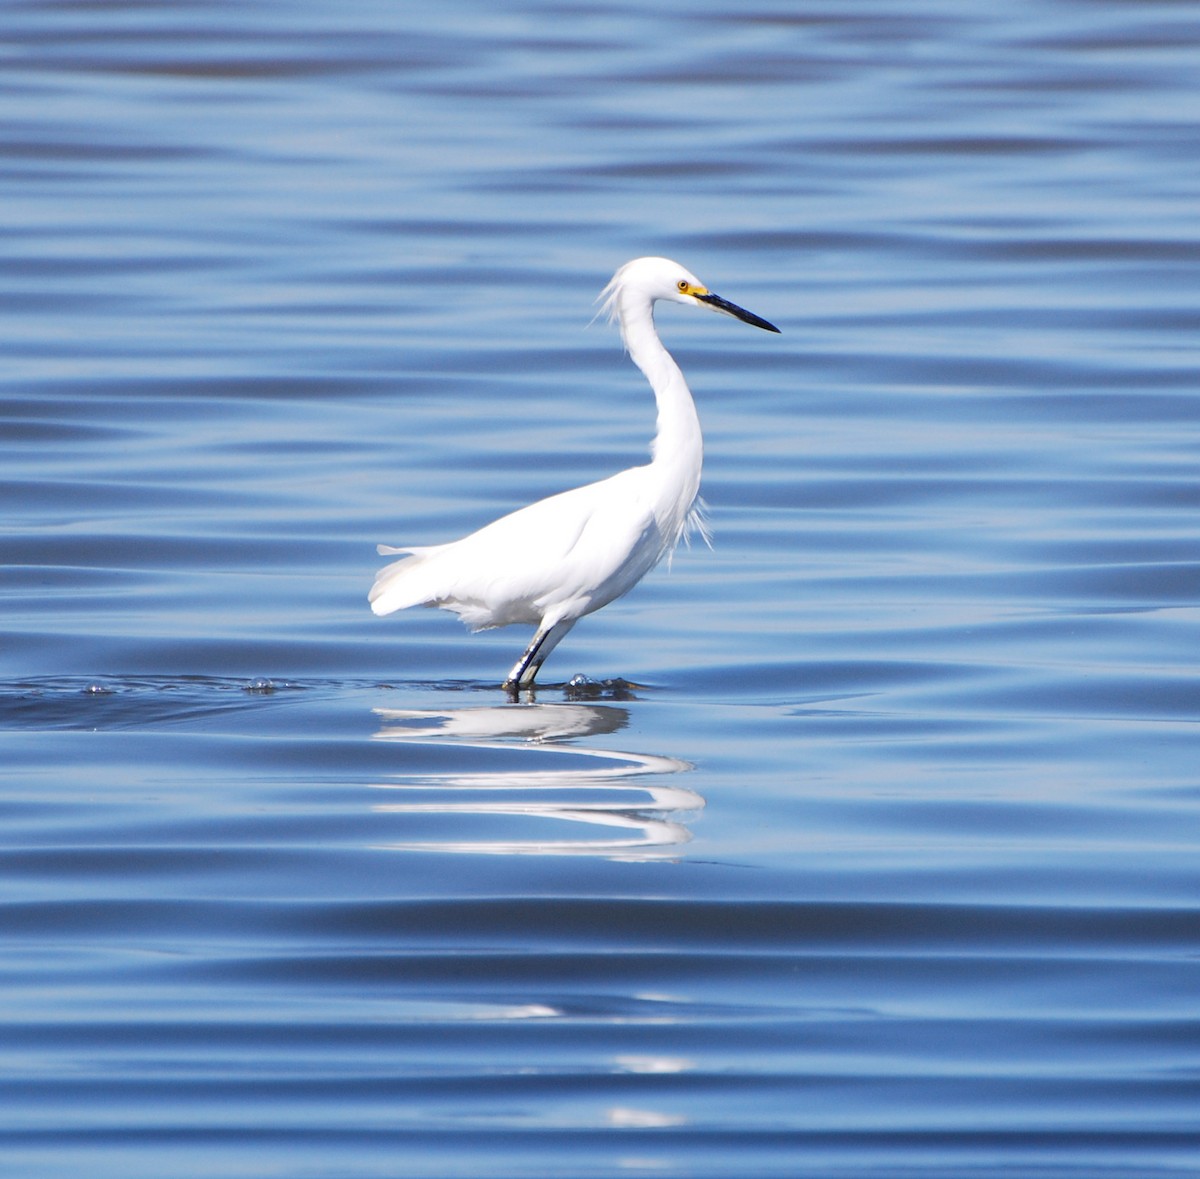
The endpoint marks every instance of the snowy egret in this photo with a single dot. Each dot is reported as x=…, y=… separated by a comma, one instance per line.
x=549, y=564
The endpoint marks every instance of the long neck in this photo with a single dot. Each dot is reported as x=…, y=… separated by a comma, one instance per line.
x=678, y=443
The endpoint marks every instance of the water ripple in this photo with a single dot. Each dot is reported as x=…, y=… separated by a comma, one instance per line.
x=887, y=866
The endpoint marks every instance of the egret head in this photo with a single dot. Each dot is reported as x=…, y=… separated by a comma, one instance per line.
x=645, y=280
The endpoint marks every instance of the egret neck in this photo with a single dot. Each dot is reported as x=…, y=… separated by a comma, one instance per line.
x=678, y=445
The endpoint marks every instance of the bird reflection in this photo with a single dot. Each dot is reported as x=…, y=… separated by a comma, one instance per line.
x=626, y=803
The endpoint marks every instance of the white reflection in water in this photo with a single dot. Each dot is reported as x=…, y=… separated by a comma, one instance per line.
x=629, y=818
x=654, y=1065
x=642, y=1119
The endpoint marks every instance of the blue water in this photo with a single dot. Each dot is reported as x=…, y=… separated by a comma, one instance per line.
x=872, y=846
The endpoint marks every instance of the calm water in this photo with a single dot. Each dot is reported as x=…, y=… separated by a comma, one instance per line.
x=889, y=863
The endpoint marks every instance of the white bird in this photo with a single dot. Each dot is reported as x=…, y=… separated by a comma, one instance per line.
x=549, y=564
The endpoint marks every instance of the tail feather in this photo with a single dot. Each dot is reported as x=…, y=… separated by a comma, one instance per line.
x=403, y=583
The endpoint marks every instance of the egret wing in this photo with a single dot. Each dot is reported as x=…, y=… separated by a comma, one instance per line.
x=512, y=569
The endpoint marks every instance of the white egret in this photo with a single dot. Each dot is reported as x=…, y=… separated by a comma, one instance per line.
x=549, y=564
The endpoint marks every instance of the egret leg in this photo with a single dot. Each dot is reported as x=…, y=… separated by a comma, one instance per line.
x=527, y=667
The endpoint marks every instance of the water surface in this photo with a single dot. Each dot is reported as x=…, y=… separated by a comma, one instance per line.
x=871, y=846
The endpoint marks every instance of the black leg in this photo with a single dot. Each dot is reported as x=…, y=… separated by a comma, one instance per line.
x=526, y=668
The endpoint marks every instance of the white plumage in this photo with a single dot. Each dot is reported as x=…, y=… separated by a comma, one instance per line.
x=549, y=564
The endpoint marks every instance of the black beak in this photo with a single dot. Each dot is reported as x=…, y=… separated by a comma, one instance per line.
x=719, y=304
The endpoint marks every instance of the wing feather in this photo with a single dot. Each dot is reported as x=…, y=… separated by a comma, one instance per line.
x=517, y=567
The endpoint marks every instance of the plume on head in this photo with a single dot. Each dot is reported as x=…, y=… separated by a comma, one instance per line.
x=608, y=297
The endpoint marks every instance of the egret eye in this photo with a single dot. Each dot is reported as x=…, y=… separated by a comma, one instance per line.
x=683, y=285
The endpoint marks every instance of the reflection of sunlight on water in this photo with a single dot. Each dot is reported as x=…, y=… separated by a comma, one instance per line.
x=640, y=819
x=642, y=1119
x=654, y=1065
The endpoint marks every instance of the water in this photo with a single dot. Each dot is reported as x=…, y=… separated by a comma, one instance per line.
x=871, y=850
